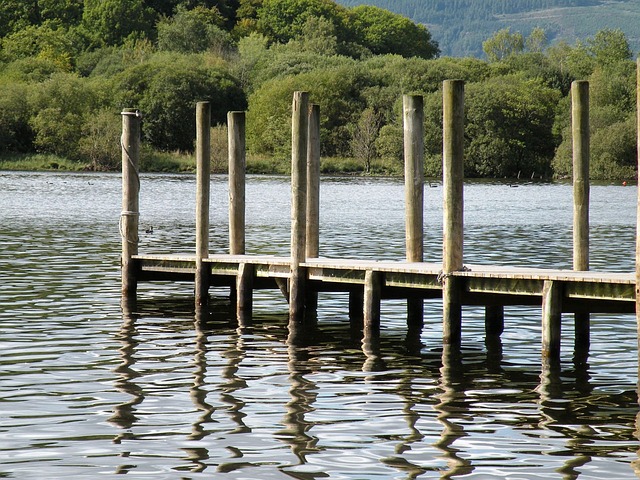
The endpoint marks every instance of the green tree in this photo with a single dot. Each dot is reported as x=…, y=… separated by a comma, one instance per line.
x=537, y=40
x=166, y=89
x=100, y=140
x=16, y=134
x=364, y=136
x=576, y=62
x=502, y=45
x=110, y=22
x=382, y=31
x=318, y=36
x=46, y=41
x=284, y=20
x=509, y=127
x=193, y=31
x=60, y=105
x=337, y=89
x=609, y=47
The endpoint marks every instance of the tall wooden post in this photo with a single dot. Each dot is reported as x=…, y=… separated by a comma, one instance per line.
x=313, y=198
x=580, y=134
x=129, y=218
x=237, y=182
x=413, y=121
x=638, y=231
x=299, y=142
x=313, y=184
x=203, y=188
x=453, y=178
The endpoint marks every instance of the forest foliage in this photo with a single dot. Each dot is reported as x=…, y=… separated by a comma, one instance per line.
x=68, y=67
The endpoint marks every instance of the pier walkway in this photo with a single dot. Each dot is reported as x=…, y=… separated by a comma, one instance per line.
x=305, y=273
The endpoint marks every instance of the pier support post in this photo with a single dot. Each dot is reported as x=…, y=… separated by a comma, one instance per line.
x=494, y=320
x=453, y=233
x=299, y=143
x=638, y=229
x=237, y=182
x=580, y=134
x=371, y=308
x=313, y=198
x=244, y=289
x=551, y=320
x=413, y=121
x=203, y=188
x=129, y=218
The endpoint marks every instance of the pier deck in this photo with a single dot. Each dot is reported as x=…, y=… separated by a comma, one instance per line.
x=481, y=284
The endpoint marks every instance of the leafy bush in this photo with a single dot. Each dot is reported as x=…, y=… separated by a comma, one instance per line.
x=16, y=134
x=166, y=89
x=193, y=31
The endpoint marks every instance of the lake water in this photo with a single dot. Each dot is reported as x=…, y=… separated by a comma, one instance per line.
x=86, y=392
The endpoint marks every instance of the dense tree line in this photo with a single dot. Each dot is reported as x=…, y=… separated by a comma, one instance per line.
x=63, y=83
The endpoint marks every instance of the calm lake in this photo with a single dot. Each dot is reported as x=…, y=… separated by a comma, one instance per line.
x=86, y=392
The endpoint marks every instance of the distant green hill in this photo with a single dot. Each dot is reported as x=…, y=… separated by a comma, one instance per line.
x=460, y=26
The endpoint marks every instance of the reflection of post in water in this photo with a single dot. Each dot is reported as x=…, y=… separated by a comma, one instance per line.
x=303, y=393
x=556, y=410
x=199, y=394
x=123, y=415
x=406, y=391
x=371, y=349
x=493, y=343
x=450, y=408
x=234, y=356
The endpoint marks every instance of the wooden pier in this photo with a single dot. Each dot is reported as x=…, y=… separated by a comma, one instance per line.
x=303, y=274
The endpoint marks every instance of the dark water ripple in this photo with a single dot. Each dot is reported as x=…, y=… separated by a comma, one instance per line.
x=86, y=392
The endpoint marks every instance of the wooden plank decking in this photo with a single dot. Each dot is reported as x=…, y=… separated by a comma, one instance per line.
x=482, y=284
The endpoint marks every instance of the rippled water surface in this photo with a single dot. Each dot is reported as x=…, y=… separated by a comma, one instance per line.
x=87, y=392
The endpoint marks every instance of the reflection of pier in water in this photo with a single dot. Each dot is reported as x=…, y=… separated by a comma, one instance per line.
x=566, y=402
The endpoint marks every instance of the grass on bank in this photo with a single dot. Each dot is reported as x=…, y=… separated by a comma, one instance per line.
x=178, y=162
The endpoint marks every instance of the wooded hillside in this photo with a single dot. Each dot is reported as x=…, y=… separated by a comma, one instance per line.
x=460, y=26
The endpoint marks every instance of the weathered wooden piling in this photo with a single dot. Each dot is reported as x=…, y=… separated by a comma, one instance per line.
x=203, y=193
x=371, y=308
x=299, y=143
x=413, y=122
x=244, y=289
x=637, y=289
x=313, y=183
x=551, y=320
x=581, y=141
x=494, y=320
x=236, y=122
x=129, y=218
x=313, y=197
x=452, y=182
